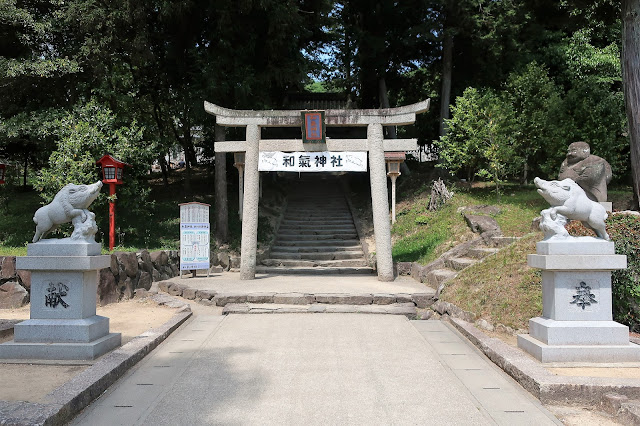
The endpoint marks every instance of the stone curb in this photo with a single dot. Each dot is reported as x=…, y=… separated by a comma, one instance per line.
x=6, y=327
x=319, y=308
x=622, y=408
x=210, y=297
x=63, y=403
x=548, y=388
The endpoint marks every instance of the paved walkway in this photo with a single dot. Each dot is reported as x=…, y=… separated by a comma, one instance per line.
x=230, y=282
x=320, y=369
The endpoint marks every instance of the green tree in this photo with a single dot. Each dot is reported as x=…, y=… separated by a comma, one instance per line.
x=537, y=106
x=594, y=102
x=83, y=136
x=479, y=140
x=36, y=79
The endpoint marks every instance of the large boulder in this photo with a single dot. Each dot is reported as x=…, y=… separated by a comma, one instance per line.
x=25, y=278
x=175, y=271
x=159, y=258
x=130, y=263
x=13, y=295
x=144, y=281
x=481, y=224
x=115, y=269
x=8, y=267
x=107, y=288
x=147, y=264
x=129, y=288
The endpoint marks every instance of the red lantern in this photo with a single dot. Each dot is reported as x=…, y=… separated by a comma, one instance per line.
x=112, y=169
x=3, y=169
x=112, y=173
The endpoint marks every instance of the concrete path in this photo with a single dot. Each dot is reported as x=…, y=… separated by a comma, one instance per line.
x=230, y=282
x=318, y=369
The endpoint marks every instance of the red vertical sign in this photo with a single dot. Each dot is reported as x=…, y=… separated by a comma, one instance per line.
x=313, y=127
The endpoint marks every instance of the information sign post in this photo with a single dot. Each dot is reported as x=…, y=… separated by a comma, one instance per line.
x=194, y=237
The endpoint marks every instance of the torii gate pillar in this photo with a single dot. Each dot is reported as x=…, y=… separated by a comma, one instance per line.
x=379, y=202
x=249, y=246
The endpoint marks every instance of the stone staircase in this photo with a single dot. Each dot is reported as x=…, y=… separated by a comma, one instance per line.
x=317, y=234
x=459, y=258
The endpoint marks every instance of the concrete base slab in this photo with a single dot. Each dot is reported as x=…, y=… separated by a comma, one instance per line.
x=80, y=351
x=608, y=206
x=578, y=353
x=553, y=332
x=63, y=247
x=575, y=245
x=83, y=330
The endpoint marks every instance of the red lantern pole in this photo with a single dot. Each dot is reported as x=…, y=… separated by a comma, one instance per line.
x=112, y=216
x=112, y=173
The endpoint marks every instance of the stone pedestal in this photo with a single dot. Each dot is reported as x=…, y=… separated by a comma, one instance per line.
x=577, y=322
x=608, y=206
x=63, y=323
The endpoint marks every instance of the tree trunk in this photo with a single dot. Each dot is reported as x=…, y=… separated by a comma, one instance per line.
x=447, y=70
x=631, y=82
x=222, y=203
x=24, y=173
x=163, y=162
x=187, y=177
x=187, y=144
x=165, y=170
x=384, y=103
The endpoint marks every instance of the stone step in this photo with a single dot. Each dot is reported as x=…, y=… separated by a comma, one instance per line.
x=321, y=199
x=312, y=227
x=314, y=263
x=316, y=308
x=318, y=194
x=333, y=238
x=460, y=263
x=319, y=220
x=316, y=243
x=317, y=216
x=315, y=221
x=503, y=241
x=348, y=229
x=364, y=270
x=482, y=252
x=312, y=249
x=339, y=255
x=439, y=276
x=421, y=300
x=317, y=207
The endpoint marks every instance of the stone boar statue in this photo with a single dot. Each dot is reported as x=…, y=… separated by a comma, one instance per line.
x=568, y=199
x=69, y=205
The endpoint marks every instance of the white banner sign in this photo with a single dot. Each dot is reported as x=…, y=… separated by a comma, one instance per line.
x=276, y=161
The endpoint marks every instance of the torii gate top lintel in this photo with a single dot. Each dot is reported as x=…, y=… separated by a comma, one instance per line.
x=334, y=117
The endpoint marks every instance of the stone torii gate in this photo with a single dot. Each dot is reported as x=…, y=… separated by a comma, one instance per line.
x=375, y=144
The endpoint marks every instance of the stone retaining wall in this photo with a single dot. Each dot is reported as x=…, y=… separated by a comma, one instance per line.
x=14, y=284
x=128, y=272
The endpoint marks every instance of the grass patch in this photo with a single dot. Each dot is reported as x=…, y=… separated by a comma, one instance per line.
x=420, y=235
x=417, y=247
x=502, y=288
